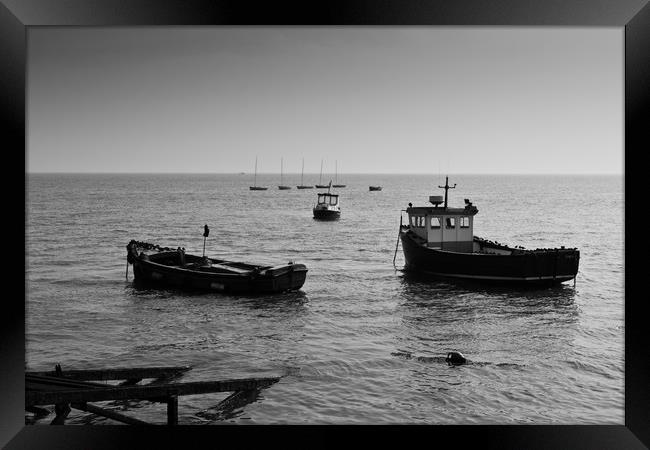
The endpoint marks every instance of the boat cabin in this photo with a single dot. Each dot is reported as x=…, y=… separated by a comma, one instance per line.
x=327, y=199
x=444, y=228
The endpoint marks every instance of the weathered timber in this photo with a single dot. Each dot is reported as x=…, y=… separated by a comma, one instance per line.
x=158, y=392
x=172, y=410
x=237, y=399
x=88, y=407
x=116, y=374
x=62, y=410
x=38, y=411
x=50, y=383
x=130, y=382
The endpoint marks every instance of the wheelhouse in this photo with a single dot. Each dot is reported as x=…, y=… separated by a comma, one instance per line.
x=443, y=228
x=327, y=199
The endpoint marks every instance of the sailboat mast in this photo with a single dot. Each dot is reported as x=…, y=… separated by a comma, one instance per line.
x=320, y=180
x=255, y=180
x=281, y=170
x=303, y=172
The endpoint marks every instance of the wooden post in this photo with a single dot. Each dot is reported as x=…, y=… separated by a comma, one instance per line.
x=88, y=407
x=172, y=410
x=62, y=410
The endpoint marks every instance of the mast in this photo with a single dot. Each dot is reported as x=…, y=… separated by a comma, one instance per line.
x=281, y=170
x=336, y=171
x=446, y=187
x=303, y=172
x=255, y=182
x=320, y=180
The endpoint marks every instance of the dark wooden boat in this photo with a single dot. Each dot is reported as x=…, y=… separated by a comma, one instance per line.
x=439, y=240
x=169, y=267
x=327, y=207
x=374, y=188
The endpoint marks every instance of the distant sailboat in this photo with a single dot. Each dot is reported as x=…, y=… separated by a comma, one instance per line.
x=336, y=177
x=320, y=180
x=282, y=187
x=302, y=186
x=255, y=187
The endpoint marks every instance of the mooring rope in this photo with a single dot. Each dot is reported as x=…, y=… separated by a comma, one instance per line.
x=397, y=243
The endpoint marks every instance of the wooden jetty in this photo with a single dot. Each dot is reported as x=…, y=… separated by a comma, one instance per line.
x=76, y=388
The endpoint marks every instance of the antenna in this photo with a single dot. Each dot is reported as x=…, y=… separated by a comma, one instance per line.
x=446, y=187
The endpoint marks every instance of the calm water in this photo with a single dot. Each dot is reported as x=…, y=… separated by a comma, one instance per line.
x=340, y=344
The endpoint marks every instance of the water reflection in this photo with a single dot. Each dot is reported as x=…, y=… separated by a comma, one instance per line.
x=423, y=291
x=488, y=323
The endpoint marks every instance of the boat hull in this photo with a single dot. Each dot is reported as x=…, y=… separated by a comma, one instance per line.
x=289, y=277
x=326, y=214
x=544, y=267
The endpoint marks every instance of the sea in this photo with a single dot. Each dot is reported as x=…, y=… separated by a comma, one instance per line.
x=362, y=342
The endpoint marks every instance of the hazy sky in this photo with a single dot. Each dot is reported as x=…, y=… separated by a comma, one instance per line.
x=377, y=99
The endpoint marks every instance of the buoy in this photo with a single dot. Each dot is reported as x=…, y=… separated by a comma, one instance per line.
x=455, y=358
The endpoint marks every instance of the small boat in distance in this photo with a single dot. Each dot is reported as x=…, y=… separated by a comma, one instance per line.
x=255, y=187
x=282, y=187
x=375, y=188
x=327, y=207
x=439, y=241
x=320, y=179
x=336, y=177
x=172, y=267
x=302, y=186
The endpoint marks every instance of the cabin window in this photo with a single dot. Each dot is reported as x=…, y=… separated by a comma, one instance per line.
x=334, y=200
x=451, y=222
x=435, y=222
x=418, y=221
x=464, y=222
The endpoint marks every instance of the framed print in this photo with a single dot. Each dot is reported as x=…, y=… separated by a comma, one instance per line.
x=273, y=154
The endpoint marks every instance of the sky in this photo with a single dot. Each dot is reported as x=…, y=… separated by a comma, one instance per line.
x=370, y=99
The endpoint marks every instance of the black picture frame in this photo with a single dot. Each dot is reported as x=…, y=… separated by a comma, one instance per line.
x=16, y=16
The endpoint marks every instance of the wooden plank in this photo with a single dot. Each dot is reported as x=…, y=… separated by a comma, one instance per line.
x=225, y=407
x=172, y=410
x=236, y=400
x=146, y=392
x=88, y=407
x=117, y=373
x=38, y=411
x=50, y=383
x=62, y=410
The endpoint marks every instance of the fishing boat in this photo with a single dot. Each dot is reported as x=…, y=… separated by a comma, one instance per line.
x=439, y=240
x=327, y=206
x=320, y=179
x=282, y=187
x=374, y=188
x=165, y=266
x=303, y=186
x=255, y=187
x=336, y=177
